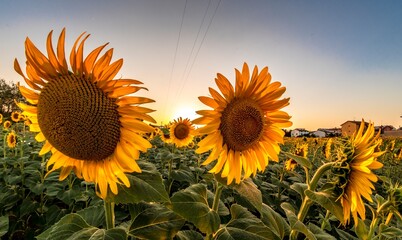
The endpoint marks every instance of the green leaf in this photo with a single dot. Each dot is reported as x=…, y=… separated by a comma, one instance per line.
x=389, y=231
x=304, y=162
x=244, y=225
x=299, y=188
x=361, y=230
x=184, y=174
x=192, y=204
x=295, y=224
x=344, y=235
x=74, y=227
x=274, y=221
x=189, y=235
x=93, y=215
x=326, y=201
x=319, y=233
x=3, y=225
x=145, y=186
x=249, y=191
x=110, y=234
x=28, y=206
x=156, y=222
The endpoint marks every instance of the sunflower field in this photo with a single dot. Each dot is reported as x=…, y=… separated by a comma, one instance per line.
x=84, y=159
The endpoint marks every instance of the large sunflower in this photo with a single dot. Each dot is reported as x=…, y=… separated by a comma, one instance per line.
x=354, y=170
x=182, y=132
x=84, y=116
x=244, y=127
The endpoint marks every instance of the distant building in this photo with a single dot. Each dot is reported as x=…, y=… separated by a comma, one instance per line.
x=299, y=132
x=331, y=132
x=349, y=127
x=319, y=134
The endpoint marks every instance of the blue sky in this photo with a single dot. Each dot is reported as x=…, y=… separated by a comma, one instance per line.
x=340, y=60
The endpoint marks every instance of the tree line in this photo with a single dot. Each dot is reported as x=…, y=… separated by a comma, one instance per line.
x=9, y=93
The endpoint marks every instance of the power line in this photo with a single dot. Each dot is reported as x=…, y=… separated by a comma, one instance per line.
x=174, y=58
x=198, y=50
x=192, y=49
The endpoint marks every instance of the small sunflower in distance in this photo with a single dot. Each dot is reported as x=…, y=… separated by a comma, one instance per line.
x=6, y=125
x=244, y=127
x=11, y=139
x=84, y=116
x=302, y=151
x=1, y=118
x=354, y=169
x=16, y=116
x=182, y=132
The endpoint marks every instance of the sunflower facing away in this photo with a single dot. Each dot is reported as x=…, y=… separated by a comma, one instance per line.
x=182, y=132
x=302, y=151
x=11, y=139
x=354, y=170
x=83, y=115
x=244, y=127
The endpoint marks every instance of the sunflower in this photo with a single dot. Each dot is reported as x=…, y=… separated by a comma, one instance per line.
x=6, y=125
x=182, y=132
x=302, y=151
x=1, y=118
x=290, y=164
x=328, y=146
x=83, y=115
x=354, y=166
x=244, y=127
x=165, y=134
x=11, y=139
x=16, y=116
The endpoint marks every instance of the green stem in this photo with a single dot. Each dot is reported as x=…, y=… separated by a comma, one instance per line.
x=306, y=201
x=109, y=214
x=215, y=204
x=376, y=218
x=324, y=221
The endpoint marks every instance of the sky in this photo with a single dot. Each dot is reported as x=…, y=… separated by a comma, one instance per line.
x=339, y=60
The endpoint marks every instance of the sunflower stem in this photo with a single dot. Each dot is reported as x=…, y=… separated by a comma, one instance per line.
x=109, y=214
x=376, y=218
x=312, y=185
x=324, y=221
x=215, y=204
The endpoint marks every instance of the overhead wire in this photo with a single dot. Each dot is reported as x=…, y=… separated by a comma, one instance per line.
x=199, y=47
x=192, y=49
x=174, y=58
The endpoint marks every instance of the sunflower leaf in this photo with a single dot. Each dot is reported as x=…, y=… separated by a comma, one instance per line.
x=73, y=226
x=361, y=229
x=192, y=204
x=249, y=191
x=3, y=225
x=189, y=235
x=145, y=186
x=304, y=162
x=274, y=221
x=155, y=222
x=326, y=201
x=244, y=225
x=295, y=224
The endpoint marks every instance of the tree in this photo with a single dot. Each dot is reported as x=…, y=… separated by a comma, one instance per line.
x=8, y=93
